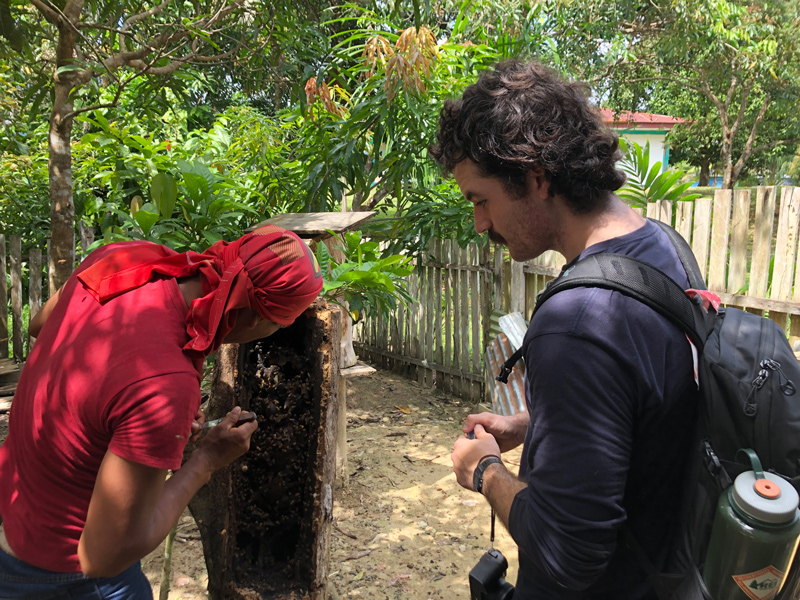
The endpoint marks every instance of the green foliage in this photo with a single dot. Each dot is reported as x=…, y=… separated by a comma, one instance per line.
x=364, y=279
x=648, y=184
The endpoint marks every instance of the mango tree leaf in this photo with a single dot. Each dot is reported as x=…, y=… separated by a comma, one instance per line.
x=164, y=192
x=145, y=220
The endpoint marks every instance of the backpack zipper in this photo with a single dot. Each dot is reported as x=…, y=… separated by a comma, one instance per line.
x=787, y=386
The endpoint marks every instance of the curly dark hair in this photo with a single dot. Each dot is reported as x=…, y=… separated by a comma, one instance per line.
x=522, y=116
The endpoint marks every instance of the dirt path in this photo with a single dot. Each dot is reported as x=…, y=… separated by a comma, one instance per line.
x=403, y=527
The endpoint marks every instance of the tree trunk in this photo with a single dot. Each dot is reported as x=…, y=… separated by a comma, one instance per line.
x=61, y=255
x=62, y=209
x=705, y=172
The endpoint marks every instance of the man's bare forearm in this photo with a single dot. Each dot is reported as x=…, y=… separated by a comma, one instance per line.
x=500, y=487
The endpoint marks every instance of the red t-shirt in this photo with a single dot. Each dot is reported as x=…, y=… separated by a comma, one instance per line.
x=100, y=377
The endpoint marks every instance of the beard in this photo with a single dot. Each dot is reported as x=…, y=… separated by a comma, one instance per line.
x=496, y=237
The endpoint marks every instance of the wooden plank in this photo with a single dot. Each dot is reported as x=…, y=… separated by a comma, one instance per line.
x=498, y=277
x=683, y=220
x=720, y=232
x=458, y=328
x=477, y=325
x=430, y=310
x=316, y=224
x=439, y=368
x=760, y=304
x=737, y=270
x=413, y=318
x=651, y=211
x=794, y=330
x=438, y=353
x=700, y=233
x=34, y=285
x=15, y=260
x=785, y=245
x=486, y=284
x=762, y=241
x=464, y=326
x=517, y=287
x=447, y=254
x=3, y=300
x=664, y=211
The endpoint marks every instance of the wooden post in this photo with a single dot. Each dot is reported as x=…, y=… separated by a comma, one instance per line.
x=15, y=256
x=34, y=286
x=3, y=300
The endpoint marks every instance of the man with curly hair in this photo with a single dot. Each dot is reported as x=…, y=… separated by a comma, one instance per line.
x=609, y=385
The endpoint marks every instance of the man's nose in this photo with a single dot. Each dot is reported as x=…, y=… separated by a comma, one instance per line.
x=482, y=221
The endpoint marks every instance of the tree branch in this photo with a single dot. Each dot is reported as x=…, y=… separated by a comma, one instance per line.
x=54, y=16
x=772, y=145
x=748, y=147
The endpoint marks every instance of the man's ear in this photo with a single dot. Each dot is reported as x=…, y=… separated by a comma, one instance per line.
x=538, y=183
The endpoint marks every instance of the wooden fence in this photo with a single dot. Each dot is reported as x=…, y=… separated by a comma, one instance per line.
x=12, y=262
x=737, y=237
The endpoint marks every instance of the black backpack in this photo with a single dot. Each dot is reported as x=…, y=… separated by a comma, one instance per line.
x=748, y=377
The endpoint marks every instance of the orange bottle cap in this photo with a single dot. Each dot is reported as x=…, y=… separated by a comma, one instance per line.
x=767, y=488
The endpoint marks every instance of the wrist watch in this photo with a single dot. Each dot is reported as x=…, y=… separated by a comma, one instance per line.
x=477, y=476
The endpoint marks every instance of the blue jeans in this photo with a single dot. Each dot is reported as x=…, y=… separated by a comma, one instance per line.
x=20, y=580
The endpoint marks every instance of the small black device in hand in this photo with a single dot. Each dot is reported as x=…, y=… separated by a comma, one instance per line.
x=486, y=578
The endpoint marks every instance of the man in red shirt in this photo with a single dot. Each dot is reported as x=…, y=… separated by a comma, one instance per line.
x=110, y=396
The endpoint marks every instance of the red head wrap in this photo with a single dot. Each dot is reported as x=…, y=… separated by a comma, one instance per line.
x=270, y=271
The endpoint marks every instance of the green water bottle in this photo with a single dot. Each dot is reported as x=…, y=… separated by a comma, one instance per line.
x=754, y=536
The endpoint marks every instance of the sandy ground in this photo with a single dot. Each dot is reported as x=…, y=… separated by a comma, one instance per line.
x=403, y=527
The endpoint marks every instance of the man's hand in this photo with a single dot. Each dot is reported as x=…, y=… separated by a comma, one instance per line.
x=508, y=431
x=467, y=452
x=226, y=442
x=199, y=419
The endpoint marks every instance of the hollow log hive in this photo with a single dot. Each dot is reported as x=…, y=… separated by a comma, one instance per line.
x=265, y=520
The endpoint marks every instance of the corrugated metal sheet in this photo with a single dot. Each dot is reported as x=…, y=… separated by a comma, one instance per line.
x=514, y=326
x=507, y=398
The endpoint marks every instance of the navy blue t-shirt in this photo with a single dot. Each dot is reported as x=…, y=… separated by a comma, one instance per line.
x=612, y=401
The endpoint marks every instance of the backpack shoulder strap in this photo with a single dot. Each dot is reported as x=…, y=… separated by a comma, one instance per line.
x=685, y=254
x=640, y=281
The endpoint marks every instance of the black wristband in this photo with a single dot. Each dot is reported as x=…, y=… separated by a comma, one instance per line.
x=477, y=475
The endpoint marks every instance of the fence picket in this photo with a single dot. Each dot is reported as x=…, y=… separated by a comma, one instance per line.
x=34, y=286
x=15, y=260
x=683, y=219
x=737, y=272
x=464, y=324
x=3, y=300
x=701, y=232
x=720, y=231
x=477, y=326
x=447, y=258
x=762, y=241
